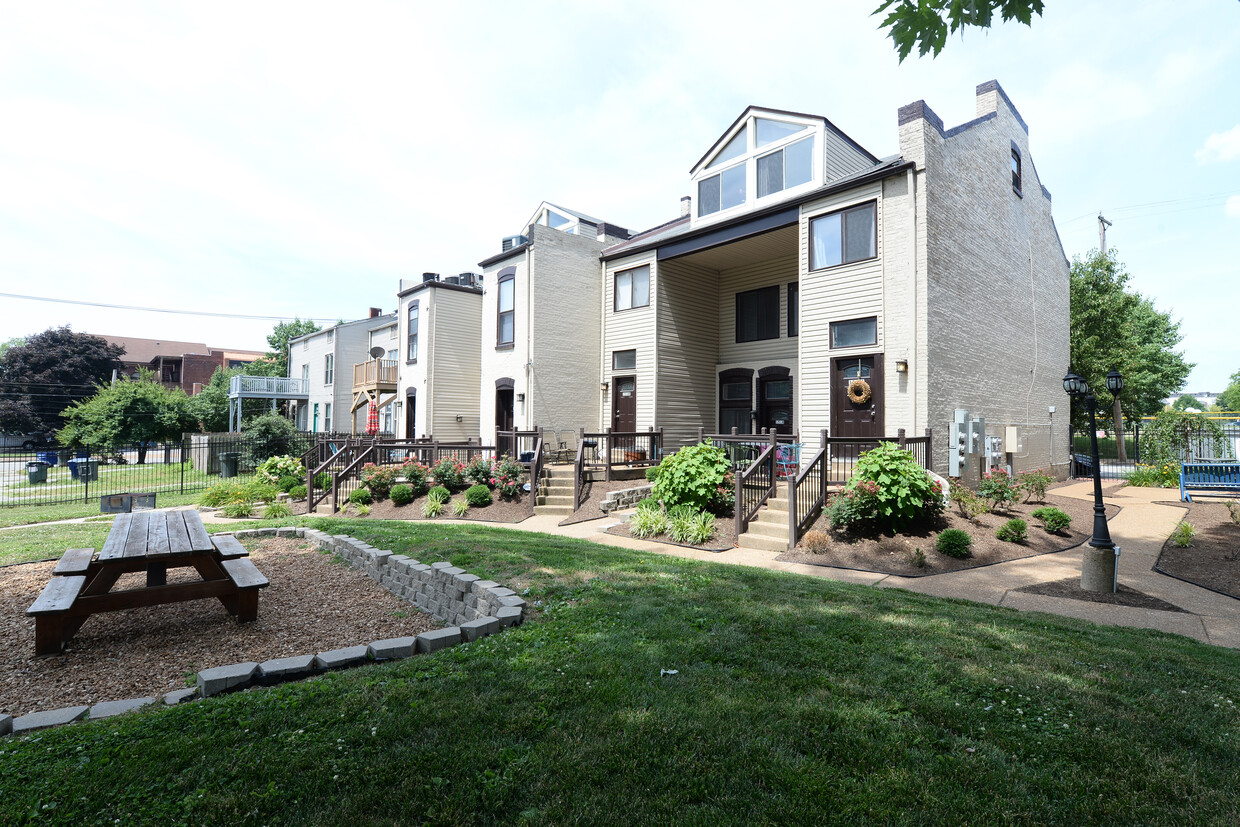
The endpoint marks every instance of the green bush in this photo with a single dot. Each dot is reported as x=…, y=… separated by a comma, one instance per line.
x=967, y=503
x=322, y=481
x=1155, y=476
x=271, y=435
x=287, y=484
x=889, y=490
x=260, y=491
x=439, y=494
x=1053, y=519
x=998, y=489
x=401, y=494
x=690, y=526
x=238, y=509
x=461, y=507
x=275, y=511
x=1034, y=484
x=854, y=507
x=694, y=476
x=1182, y=537
x=416, y=473
x=449, y=473
x=378, y=478
x=954, y=543
x=650, y=503
x=478, y=495
x=363, y=510
x=652, y=473
x=361, y=496
x=274, y=469
x=1013, y=531
x=479, y=471
x=222, y=493
x=682, y=511
x=432, y=507
x=647, y=522
x=297, y=492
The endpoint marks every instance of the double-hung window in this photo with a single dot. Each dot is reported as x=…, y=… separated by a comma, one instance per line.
x=329, y=368
x=505, y=324
x=412, y=354
x=757, y=314
x=794, y=308
x=843, y=237
x=1016, y=170
x=327, y=416
x=633, y=288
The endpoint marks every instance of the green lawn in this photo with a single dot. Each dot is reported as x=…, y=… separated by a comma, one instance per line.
x=45, y=542
x=27, y=514
x=793, y=700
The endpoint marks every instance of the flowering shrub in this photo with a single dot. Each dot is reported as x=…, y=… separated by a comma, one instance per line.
x=507, y=479
x=450, y=473
x=378, y=479
x=967, y=503
x=273, y=468
x=1034, y=484
x=479, y=471
x=416, y=473
x=998, y=489
x=889, y=490
x=696, y=475
x=1155, y=476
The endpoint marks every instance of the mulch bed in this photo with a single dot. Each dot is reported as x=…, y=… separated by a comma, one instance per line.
x=1126, y=596
x=313, y=604
x=1212, y=560
x=499, y=511
x=724, y=539
x=893, y=554
x=596, y=492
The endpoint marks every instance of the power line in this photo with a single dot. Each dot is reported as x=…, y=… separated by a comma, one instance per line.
x=165, y=310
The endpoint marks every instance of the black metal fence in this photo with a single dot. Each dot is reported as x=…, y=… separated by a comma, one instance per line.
x=54, y=476
x=1113, y=466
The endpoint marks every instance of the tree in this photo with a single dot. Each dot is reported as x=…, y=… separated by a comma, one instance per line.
x=275, y=363
x=16, y=341
x=926, y=23
x=1113, y=327
x=132, y=411
x=1185, y=402
x=48, y=373
x=210, y=405
x=1229, y=400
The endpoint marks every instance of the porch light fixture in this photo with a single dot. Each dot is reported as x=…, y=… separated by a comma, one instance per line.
x=1100, y=564
x=520, y=397
x=603, y=386
x=902, y=366
x=460, y=418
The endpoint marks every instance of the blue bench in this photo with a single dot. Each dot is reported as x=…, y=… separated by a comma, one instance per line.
x=1084, y=465
x=1208, y=475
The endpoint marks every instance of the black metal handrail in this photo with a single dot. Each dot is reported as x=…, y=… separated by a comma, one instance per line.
x=807, y=494
x=579, y=471
x=338, y=458
x=624, y=449
x=536, y=471
x=344, y=478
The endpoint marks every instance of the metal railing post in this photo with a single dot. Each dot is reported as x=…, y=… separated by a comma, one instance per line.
x=739, y=504
x=794, y=519
x=607, y=473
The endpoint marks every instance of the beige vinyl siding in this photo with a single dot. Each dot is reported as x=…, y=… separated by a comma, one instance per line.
x=848, y=291
x=688, y=337
x=632, y=329
x=455, y=367
x=840, y=157
x=774, y=272
x=511, y=361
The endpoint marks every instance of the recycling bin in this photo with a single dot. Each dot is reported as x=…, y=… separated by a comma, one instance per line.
x=228, y=464
x=47, y=457
x=88, y=470
x=36, y=472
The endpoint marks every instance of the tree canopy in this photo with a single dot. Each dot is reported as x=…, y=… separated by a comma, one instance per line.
x=927, y=23
x=1229, y=400
x=130, y=412
x=1113, y=327
x=1185, y=402
x=275, y=363
x=48, y=372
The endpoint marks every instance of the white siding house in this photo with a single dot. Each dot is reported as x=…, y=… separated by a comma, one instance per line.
x=326, y=360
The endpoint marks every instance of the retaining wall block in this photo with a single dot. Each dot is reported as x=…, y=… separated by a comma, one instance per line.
x=480, y=587
x=396, y=647
x=442, y=564
x=109, y=708
x=437, y=639
x=341, y=658
x=223, y=678
x=178, y=696
x=513, y=601
x=50, y=718
x=6, y=724
x=510, y=616
x=465, y=581
x=474, y=629
x=286, y=531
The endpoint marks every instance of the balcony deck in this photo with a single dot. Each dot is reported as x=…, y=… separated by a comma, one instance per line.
x=268, y=387
x=377, y=375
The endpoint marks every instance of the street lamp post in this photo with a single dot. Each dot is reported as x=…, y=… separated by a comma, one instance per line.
x=1100, y=562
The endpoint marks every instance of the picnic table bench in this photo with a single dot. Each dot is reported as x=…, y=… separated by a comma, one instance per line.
x=150, y=542
x=1208, y=475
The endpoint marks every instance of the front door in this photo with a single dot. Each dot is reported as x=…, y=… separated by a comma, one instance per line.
x=775, y=404
x=624, y=404
x=411, y=417
x=861, y=415
x=504, y=418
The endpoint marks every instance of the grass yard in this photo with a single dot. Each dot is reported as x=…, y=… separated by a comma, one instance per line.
x=46, y=542
x=650, y=689
x=14, y=515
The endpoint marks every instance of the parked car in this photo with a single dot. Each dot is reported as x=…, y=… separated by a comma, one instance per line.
x=25, y=441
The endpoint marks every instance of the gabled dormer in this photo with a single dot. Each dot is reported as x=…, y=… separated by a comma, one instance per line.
x=564, y=220
x=767, y=156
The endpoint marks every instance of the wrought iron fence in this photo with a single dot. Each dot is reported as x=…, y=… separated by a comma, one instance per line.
x=1113, y=466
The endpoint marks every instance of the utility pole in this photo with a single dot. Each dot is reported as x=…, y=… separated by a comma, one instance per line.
x=1121, y=452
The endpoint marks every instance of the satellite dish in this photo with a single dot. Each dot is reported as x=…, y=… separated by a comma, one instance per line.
x=377, y=351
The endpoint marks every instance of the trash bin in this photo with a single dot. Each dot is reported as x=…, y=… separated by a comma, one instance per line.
x=46, y=457
x=73, y=468
x=228, y=464
x=36, y=471
x=88, y=470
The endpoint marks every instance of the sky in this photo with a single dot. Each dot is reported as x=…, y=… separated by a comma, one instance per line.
x=280, y=159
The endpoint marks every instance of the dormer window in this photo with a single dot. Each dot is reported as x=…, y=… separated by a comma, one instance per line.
x=555, y=221
x=762, y=157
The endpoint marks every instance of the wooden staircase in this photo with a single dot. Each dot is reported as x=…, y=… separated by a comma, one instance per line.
x=555, y=491
x=768, y=531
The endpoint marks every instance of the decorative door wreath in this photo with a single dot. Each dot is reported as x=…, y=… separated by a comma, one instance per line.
x=859, y=392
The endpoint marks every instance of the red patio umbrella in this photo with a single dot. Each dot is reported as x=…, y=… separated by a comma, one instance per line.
x=372, y=419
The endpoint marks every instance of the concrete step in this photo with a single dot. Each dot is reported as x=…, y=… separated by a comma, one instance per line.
x=760, y=543
x=556, y=487
x=553, y=510
x=779, y=532
x=552, y=499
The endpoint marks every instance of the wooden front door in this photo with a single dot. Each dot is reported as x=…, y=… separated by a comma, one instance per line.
x=775, y=404
x=504, y=409
x=411, y=418
x=857, y=419
x=624, y=404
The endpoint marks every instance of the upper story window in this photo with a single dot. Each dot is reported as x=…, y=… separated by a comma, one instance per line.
x=505, y=325
x=623, y=359
x=392, y=332
x=412, y=354
x=329, y=368
x=331, y=335
x=305, y=372
x=757, y=314
x=843, y=237
x=763, y=157
x=633, y=288
x=556, y=219
x=794, y=308
x=855, y=332
x=1016, y=170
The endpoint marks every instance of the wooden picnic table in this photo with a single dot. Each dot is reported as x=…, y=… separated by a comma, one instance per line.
x=150, y=542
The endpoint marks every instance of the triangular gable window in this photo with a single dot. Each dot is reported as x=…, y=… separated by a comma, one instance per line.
x=768, y=131
x=555, y=220
x=735, y=148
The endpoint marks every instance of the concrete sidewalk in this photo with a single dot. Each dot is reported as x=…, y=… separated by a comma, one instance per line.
x=1147, y=517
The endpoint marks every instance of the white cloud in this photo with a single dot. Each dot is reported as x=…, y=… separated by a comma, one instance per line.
x=1232, y=207
x=1221, y=146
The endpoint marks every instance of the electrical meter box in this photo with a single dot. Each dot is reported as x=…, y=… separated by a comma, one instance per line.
x=1011, y=440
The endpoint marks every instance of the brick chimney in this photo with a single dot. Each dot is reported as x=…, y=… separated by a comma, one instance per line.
x=376, y=312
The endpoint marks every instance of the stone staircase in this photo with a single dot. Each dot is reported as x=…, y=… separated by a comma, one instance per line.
x=555, y=492
x=768, y=531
